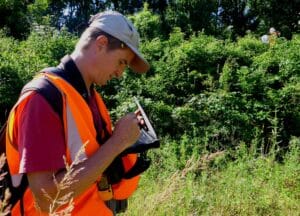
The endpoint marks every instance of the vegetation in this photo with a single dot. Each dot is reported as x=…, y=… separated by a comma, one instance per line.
x=225, y=105
x=213, y=17
x=215, y=185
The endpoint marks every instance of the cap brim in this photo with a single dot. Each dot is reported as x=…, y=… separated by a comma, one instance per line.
x=139, y=64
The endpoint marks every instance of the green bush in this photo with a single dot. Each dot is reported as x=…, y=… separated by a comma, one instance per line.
x=147, y=23
x=223, y=92
x=20, y=61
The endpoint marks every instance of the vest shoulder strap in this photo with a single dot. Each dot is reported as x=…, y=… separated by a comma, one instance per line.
x=45, y=88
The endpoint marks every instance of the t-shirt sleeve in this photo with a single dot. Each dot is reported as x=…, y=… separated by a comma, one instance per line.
x=40, y=138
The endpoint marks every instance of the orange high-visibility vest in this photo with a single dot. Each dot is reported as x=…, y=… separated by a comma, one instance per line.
x=79, y=129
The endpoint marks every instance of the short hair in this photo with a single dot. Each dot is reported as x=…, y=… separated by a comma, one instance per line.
x=91, y=33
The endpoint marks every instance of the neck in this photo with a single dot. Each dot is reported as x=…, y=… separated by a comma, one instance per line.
x=82, y=64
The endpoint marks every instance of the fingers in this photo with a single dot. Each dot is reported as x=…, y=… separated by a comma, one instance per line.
x=140, y=119
x=137, y=112
x=127, y=130
x=134, y=117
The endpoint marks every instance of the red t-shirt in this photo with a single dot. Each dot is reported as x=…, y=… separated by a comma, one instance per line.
x=40, y=135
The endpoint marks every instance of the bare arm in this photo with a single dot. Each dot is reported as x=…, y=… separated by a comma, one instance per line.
x=125, y=134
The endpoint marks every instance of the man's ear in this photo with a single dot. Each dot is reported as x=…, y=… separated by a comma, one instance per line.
x=101, y=41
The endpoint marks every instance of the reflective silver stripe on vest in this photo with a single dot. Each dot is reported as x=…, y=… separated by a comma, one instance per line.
x=73, y=136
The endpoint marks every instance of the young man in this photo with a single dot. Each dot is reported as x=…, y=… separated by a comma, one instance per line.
x=38, y=136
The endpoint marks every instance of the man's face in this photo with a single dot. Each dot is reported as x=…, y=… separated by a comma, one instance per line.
x=112, y=64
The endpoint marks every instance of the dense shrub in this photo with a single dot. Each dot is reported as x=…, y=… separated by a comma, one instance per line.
x=223, y=92
x=20, y=61
x=147, y=23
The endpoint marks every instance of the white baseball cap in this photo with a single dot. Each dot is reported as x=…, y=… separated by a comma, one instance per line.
x=120, y=27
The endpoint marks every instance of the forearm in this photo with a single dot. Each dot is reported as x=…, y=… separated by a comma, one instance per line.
x=125, y=134
x=93, y=167
x=90, y=170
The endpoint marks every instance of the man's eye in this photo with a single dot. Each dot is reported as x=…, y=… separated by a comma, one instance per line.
x=123, y=62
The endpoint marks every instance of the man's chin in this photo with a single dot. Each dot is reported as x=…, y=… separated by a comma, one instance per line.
x=102, y=82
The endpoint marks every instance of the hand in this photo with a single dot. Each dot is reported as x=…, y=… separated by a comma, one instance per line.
x=141, y=121
x=126, y=131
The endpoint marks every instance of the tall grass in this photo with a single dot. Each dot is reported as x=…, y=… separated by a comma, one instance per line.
x=248, y=185
x=64, y=205
x=4, y=206
x=210, y=184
